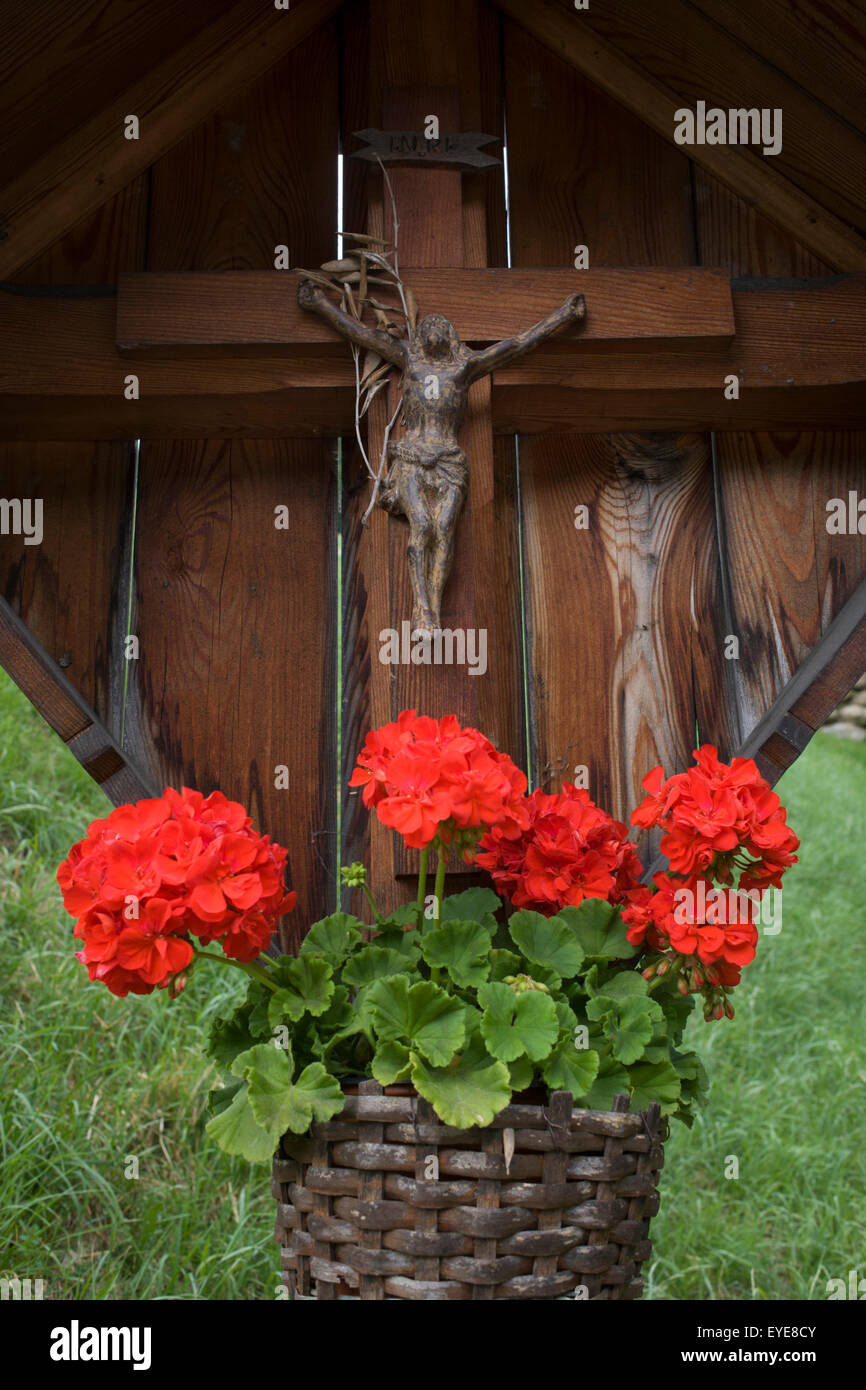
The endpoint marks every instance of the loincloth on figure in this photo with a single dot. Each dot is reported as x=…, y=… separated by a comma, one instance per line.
x=440, y=471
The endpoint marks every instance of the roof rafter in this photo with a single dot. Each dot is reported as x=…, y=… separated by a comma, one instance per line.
x=750, y=177
x=96, y=161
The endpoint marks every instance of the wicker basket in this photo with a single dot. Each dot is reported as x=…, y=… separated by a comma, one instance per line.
x=547, y=1202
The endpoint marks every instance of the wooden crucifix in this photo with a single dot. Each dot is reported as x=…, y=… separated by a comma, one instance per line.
x=429, y=473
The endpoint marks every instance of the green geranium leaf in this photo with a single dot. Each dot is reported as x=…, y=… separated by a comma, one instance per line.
x=278, y=1103
x=624, y=984
x=236, y=1131
x=338, y=1013
x=422, y=1015
x=649, y=1081
x=474, y=905
x=521, y=1072
x=404, y=942
x=543, y=975
x=220, y=1097
x=694, y=1082
x=471, y=1091
x=600, y=930
x=374, y=963
x=570, y=1069
x=612, y=1080
x=628, y=1023
x=463, y=948
x=517, y=1024
x=260, y=998
x=230, y=1036
x=547, y=941
x=308, y=989
x=335, y=937
x=405, y=916
x=391, y=1063
x=504, y=963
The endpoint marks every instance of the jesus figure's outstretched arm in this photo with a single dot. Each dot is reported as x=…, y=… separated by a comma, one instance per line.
x=499, y=354
x=312, y=296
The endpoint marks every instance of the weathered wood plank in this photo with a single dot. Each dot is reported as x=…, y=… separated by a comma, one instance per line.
x=61, y=63
x=624, y=600
x=236, y=616
x=72, y=587
x=654, y=102
x=47, y=688
x=690, y=308
x=821, y=45
x=700, y=61
x=94, y=162
x=798, y=353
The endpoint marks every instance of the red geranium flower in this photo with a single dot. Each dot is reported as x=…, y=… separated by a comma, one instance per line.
x=714, y=816
x=152, y=875
x=568, y=850
x=435, y=780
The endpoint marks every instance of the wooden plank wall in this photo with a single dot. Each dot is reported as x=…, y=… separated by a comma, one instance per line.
x=625, y=617
x=235, y=616
x=691, y=538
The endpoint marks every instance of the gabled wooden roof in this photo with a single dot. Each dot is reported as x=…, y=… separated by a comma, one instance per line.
x=63, y=102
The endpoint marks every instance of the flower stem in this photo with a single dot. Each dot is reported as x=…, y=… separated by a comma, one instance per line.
x=440, y=881
x=256, y=972
x=372, y=901
x=422, y=882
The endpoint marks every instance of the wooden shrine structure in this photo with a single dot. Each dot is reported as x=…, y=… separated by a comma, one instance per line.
x=148, y=252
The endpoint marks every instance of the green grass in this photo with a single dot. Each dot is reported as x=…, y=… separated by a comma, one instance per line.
x=88, y=1081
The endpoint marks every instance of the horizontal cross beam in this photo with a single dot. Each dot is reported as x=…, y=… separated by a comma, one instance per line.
x=797, y=355
x=690, y=307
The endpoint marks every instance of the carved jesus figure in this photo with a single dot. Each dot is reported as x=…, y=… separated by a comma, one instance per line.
x=428, y=474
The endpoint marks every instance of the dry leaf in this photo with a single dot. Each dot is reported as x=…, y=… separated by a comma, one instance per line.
x=412, y=307
x=364, y=238
x=508, y=1148
x=317, y=278
x=371, y=361
x=340, y=267
x=362, y=291
x=370, y=397
x=350, y=300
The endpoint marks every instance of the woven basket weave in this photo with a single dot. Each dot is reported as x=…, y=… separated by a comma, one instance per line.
x=546, y=1202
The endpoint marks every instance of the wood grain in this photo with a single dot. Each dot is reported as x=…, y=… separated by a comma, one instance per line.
x=821, y=45
x=85, y=168
x=700, y=61
x=693, y=308
x=71, y=588
x=749, y=176
x=60, y=63
x=432, y=65
x=624, y=642
x=236, y=617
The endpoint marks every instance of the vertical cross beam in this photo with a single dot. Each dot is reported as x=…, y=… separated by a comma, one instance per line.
x=427, y=61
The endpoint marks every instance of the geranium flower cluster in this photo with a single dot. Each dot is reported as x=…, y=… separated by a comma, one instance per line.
x=568, y=850
x=433, y=779
x=720, y=821
x=153, y=878
x=717, y=818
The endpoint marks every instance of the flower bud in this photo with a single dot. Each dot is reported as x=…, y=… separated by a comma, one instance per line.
x=729, y=1009
x=663, y=968
x=355, y=876
x=682, y=985
x=650, y=972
